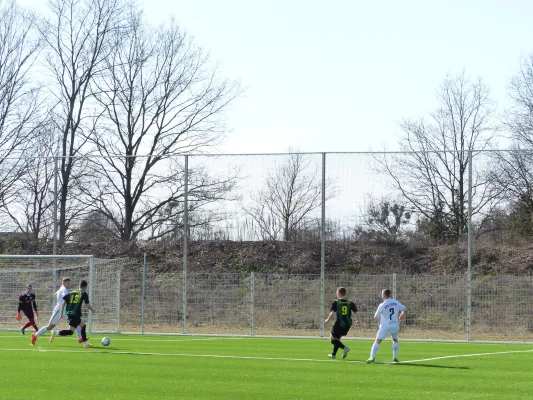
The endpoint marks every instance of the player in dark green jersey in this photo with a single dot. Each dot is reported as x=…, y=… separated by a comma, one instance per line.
x=343, y=309
x=72, y=303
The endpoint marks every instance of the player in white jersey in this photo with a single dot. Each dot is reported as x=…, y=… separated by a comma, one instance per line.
x=390, y=313
x=56, y=314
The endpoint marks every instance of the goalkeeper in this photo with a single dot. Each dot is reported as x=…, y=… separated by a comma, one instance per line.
x=27, y=305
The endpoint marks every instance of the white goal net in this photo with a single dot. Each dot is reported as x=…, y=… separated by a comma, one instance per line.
x=45, y=274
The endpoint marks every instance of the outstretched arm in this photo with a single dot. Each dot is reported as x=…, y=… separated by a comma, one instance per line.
x=18, y=317
x=87, y=303
x=331, y=313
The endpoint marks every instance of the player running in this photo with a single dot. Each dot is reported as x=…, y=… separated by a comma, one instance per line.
x=72, y=304
x=27, y=305
x=56, y=314
x=390, y=313
x=343, y=309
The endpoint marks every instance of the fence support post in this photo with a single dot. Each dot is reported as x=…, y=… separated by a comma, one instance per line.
x=469, y=256
x=252, y=296
x=394, y=285
x=143, y=305
x=185, y=241
x=91, y=294
x=322, y=245
x=54, y=243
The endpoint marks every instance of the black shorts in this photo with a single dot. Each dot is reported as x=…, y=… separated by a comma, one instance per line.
x=28, y=314
x=74, y=321
x=338, y=331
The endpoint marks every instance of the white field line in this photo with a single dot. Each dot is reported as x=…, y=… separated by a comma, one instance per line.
x=177, y=340
x=86, y=351
x=467, y=355
x=248, y=336
x=147, y=340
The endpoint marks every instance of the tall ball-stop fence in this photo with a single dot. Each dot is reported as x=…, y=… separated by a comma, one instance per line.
x=281, y=304
x=144, y=296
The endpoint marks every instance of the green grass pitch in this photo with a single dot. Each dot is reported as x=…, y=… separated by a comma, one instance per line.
x=214, y=367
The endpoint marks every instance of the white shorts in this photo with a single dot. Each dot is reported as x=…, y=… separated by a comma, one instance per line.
x=383, y=332
x=56, y=316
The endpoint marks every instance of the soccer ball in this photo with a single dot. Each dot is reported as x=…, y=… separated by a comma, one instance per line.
x=106, y=341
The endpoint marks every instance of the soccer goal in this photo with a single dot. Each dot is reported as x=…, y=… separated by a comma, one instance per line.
x=45, y=273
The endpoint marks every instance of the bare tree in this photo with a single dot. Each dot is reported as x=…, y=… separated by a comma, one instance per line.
x=206, y=193
x=292, y=190
x=32, y=205
x=520, y=117
x=432, y=175
x=19, y=95
x=78, y=42
x=512, y=171
x=161, y=98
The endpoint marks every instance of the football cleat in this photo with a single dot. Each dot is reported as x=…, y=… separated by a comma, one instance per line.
x=22, y=330
x=80, y=340
x=332, y=356
x=370, y=360
x=89, y=346
x=52, y=336
x=33, y=339
x=395, y=360
x=345, y=351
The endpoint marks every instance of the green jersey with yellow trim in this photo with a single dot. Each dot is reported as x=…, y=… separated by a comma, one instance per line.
x=74, y=300
x=344, y=309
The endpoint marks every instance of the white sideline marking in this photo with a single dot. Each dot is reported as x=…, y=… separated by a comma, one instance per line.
x=87, y=351
x=467, y=355
x=148, y=340
x=169, y=340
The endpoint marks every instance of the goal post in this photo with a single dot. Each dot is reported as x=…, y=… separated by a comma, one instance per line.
x=45, y=272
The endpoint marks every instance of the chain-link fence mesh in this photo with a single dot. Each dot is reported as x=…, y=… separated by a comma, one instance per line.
x=230, y=200
x=282, y=304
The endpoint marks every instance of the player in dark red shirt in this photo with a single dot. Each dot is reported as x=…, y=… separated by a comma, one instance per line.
x=27, y=305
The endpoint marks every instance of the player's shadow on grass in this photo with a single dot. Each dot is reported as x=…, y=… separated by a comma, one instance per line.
x=429, y=366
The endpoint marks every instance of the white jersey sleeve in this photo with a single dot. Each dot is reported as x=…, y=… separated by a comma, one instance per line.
x=388, y=312
x=377, y=314
x=61, y=292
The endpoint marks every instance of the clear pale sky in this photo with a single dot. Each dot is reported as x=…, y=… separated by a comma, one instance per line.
x=338, y=75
